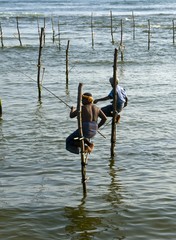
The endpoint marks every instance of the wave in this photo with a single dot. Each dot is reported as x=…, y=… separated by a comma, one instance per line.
x=84, y=8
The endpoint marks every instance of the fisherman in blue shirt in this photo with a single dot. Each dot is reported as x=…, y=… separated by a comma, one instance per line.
x=122, y=100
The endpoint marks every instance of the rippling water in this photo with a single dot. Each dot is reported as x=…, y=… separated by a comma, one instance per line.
x=129, y=197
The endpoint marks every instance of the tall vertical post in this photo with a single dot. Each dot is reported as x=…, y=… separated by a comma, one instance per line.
x=121, y=41
x=19, y=37
x=38, y=27
x=112, y=37
x=92, y=32
x=133, y=26
x=52, y=22
x=44, y=31
x=149, y=34
x=59, y=39
x=173, y=23
x=81, y=138
x=1, y=34
x=113, y=130
x=67, y=62
x=0, y=109
x=39, y=64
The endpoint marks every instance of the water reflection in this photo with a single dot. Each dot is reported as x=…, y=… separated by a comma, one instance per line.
x=3, y=147
x=114, y=188
x=82, y=224
x=89, y=223
x=115, y=199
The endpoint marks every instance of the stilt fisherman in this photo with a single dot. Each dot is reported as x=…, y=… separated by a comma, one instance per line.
x=90, y=114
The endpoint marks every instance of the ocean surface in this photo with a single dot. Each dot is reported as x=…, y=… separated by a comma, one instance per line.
x=130, y=196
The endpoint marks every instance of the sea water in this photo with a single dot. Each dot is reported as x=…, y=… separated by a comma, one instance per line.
x=130, y=196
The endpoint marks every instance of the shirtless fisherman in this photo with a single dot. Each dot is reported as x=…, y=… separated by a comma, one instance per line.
x=90, y=125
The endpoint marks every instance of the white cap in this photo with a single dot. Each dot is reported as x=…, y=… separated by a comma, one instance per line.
x=111, y=80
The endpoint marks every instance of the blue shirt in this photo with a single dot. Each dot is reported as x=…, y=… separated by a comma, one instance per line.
x=121, y=96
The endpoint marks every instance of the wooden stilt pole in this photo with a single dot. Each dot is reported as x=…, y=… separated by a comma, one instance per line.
x=67, y=62
x=148, y=34
x=133, y=26
x=92, y=32
x=1, y=34
x=52, y=22
x=38, y=26
x=113, y=130
x=121, y=41
x=173, y=24
x=0, y=109
x=112, y=37
x=19, y=37
x=44, y=35
x=83, y=161
x=39, y=64
x=59, y=40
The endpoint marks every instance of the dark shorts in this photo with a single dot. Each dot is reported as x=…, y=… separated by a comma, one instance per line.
x=108, y=110
x=89, y=131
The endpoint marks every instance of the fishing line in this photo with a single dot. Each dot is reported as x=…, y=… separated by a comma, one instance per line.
x=54, y=96
x=106, y=124
x=46, y=89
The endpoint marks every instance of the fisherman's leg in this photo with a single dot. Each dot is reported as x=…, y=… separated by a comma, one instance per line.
x=119, y=109
x=86, y=141
x=107, y=110
x=89, y=131
x=89, y=145
x=73, y=145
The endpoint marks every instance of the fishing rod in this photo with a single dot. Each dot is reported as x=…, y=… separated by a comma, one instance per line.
x=101, y=134
x=47, y=88
x=68, y=106
x=55, y=96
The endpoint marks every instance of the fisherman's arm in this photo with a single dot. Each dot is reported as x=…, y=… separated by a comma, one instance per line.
x=101, y=99
x=103, y=118
x=73, y=112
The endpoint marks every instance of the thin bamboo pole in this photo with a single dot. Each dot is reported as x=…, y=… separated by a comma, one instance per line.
x=92, y=31
x=38, y=27
x=52, y=22
x=121, y=42
x=173, y=24
x=39, y=64
x=59, y=38
x=112, y=37
x=134, y=33
x=113, y=130
x=0, y=109
x=44, y=33
x=81, y=138
x=67, y=61
x=149, y=31
x=19, y=36
x=1, y=33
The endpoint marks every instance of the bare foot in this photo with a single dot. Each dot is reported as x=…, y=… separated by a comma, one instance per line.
x=118, y=119
x=89, y=149
x=91, y=146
